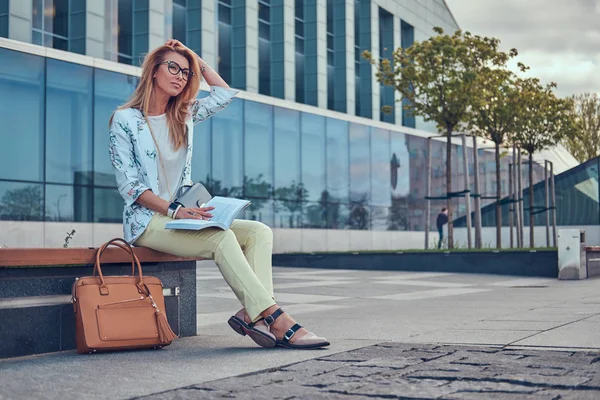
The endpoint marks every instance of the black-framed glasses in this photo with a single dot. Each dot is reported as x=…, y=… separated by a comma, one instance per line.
x=174, y=69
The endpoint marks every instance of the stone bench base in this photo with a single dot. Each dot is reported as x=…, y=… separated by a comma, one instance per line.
x=35, y=309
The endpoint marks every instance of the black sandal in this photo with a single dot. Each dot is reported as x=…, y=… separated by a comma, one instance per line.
x=308, y=341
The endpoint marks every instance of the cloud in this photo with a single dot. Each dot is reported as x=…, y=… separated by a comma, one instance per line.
x=558, y=39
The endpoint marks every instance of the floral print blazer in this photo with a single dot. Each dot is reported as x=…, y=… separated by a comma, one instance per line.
x=135, y=162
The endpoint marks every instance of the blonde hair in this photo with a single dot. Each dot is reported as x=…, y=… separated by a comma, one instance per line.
x=177, y=111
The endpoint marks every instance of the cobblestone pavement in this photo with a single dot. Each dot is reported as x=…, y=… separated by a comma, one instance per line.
x=405, y=371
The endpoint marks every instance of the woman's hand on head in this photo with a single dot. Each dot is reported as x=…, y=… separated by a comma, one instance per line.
x=174, y=43
x=194, y=213
x=177, y=44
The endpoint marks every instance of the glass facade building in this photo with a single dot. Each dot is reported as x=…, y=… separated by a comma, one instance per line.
x=300, y=169
x=304, y=141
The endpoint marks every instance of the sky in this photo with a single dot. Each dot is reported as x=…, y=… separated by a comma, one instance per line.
x=558, y=39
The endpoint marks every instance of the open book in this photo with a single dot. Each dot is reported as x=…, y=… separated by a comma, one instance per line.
x=226, y=209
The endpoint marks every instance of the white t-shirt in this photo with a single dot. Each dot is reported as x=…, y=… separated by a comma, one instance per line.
x=173, y=160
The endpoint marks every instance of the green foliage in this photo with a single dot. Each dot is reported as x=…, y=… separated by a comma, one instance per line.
x=585, y=143
x=542, y=119
x=439, y=75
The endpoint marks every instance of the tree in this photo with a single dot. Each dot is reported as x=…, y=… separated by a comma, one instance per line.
x=22, y=204
x=543, y=121
x=292, y=198
x=493, y=117
x=438, y=76
x=585, y=143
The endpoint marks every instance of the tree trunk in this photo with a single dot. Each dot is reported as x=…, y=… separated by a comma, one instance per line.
x=531, y=216
x=449, y=187
x=499, y=196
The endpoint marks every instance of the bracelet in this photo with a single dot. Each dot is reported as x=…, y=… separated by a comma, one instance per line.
x=175, y=212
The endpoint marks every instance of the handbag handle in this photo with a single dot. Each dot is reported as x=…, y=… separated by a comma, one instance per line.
x=121, y=243
x=127, y=250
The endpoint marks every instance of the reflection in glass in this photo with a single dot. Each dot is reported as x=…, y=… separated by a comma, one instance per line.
x=314, y=215
x=108, y=205
x=338, y=174
x=20, y=201
x=287, y=155
x=202, y=157
x=288, y=214
x=111, y=90
x=380, y=217
x=337, y=216
x=313, y=155
x=68, y=123
x=227, y=151
x=68, y=203
x=258, y=150
x=360, y=168
x=380, y=168
x=359, y=217
x=22, y=115
x=260, y=210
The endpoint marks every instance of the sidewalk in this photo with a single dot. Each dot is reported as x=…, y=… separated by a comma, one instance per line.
x=520, y=337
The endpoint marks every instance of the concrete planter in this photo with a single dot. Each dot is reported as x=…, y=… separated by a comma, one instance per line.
x=521, y=263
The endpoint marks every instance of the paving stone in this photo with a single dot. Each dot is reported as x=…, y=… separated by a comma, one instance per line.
x=404, y=371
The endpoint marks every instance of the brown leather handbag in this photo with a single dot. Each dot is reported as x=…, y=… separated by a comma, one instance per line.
x=119, y=312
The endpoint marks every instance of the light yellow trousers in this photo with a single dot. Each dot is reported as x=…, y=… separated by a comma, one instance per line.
x=242, y=253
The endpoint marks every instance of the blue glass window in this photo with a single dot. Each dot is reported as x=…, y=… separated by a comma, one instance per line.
x=400, y=178
x=260, y=210
x=407, y=39
x=69, y=203
x=299, y=50
x=264, y=47
x=338, y=174
x=225, y=41
x=380, y=168
x=22, y=84
x=287, y=155
x=287, y=214
x=258, y=146
x=380, y=218
x=313, y=155
x=20, y=201
x=194, y=25
x=179, y=20
x=111, y=90
x=69, y=113
x=4, y=18
x=360, y=171
x=202, y=159
x=314, y=215
x=125, y=40
x=108, y=205
x=386, y=48
x=228, y=151
x=50, y=22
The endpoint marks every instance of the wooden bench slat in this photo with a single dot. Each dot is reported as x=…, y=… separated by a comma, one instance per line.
x=592, y=248
x=19, y=257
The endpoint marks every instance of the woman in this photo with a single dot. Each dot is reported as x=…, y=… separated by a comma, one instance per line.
x=151, y=139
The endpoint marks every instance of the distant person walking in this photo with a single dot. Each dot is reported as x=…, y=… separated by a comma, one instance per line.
x=442, y=219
